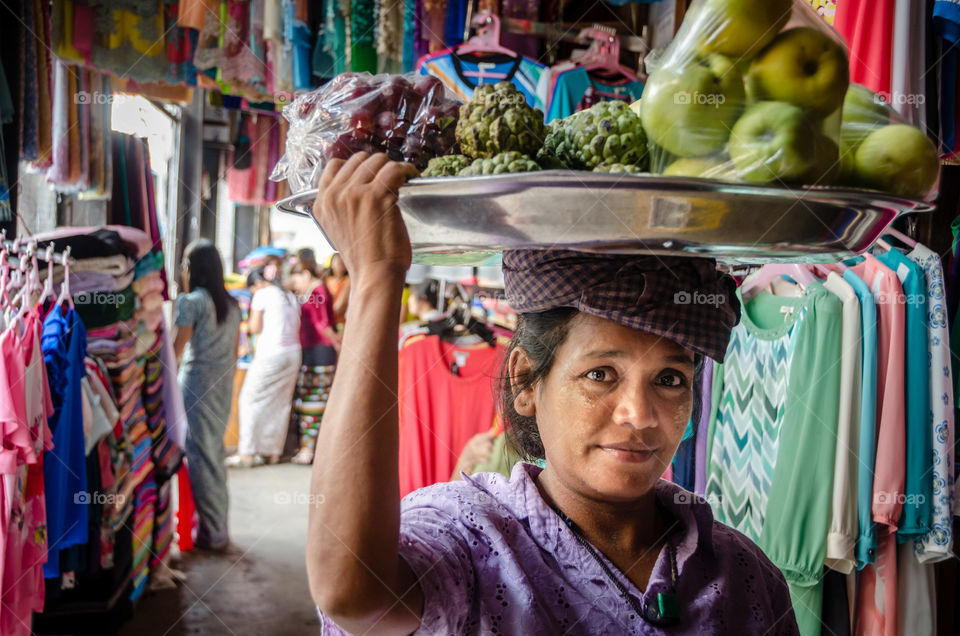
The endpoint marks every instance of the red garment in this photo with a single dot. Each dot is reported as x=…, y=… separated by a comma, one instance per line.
x=440, y=411
x=316, y=314
x=867, y=28
x=186, y=512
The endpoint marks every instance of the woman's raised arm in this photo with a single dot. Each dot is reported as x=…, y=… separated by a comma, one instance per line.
x=356, y=575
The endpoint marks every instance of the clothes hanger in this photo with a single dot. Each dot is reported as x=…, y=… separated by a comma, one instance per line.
x=768, y=273
x=65, y=286
x=485, y=42
x=48, y=283
x=604, y=52
x=900, y=236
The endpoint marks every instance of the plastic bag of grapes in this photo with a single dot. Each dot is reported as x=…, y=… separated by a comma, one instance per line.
x=409, y=117
x=753, y=91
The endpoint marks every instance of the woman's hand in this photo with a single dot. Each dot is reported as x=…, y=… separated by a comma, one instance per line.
x=357, y=209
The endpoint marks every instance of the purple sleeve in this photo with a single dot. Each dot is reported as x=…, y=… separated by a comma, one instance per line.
x=432, y=544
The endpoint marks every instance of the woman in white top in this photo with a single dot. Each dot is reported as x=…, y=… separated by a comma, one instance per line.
x=267, y=393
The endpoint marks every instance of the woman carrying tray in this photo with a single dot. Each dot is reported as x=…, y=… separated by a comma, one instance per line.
x=598, y=381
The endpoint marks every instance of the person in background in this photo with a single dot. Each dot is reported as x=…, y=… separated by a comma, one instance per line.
x=320, y=343
x=421, y=307
x=207, y=327
x=337, y=281
x=267, y=393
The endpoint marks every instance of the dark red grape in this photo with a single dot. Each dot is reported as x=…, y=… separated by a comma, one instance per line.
x=341, y=148
x=430, y=89
x=386, y=122
x=392, y=91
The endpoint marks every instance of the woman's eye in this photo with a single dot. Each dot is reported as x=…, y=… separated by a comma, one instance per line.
x=672, y=380
x=598, y=375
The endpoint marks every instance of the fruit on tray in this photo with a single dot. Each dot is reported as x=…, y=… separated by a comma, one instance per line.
x=802, y=66
x=511, y=161
x=826, y=168
x=738, y=28
x=772, y=141
x=710, y=167
x=688, y=110
x=620, y=168
x=899, y=159
x=446, y=166
x=498, y=120
x=608, y=132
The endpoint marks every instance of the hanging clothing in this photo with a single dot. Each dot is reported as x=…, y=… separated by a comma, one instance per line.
x=452, y=69
x=446, y=397
x=313, y=391
x=758, y=489
x=577, y=89
x=64, y=348
x=867, y=28
x=937, y=544
x=491, y=554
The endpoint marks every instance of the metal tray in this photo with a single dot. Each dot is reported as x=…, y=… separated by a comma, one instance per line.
x=470, y=220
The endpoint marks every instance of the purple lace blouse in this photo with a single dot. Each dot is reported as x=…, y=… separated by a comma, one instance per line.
x=493, y=558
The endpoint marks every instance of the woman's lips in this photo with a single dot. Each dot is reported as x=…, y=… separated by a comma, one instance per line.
x=630, y=452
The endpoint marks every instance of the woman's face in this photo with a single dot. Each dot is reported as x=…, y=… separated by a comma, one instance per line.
x=300, y=280
x=613, y=408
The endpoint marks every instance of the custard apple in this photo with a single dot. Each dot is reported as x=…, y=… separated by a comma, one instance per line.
x=446, y=166
x=622, y=168
x=505, y=162
x=498, y=120
x=608, y=132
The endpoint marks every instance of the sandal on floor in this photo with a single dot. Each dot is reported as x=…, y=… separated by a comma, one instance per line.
x=304, y=457
x=239, y=461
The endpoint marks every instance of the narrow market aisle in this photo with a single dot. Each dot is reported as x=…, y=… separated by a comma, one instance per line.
x=260, y=586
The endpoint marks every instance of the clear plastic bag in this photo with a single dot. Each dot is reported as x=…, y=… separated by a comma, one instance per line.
x=410, y=117
x=754, y=91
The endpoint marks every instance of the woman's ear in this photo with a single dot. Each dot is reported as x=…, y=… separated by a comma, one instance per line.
x=518, y=367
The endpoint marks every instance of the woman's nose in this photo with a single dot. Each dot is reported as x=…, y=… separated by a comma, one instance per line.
x=633, y=407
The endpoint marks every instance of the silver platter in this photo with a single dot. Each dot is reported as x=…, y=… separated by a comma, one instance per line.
x=471, y=220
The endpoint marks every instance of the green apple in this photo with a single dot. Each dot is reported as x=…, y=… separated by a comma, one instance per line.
x=773, y=141
x=826, y=168
x=863, y=112
x=738, y=28
x=802, y=66
x=688, y=110
x=899, y=159
x=710, y=167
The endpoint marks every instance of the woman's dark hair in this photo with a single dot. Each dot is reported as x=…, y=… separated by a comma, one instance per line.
x=540, y=335
x=427, y=291
x=307, y=262
x=206, y=271
x=257, y=276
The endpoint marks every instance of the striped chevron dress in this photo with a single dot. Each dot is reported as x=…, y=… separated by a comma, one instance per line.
x=772, y=449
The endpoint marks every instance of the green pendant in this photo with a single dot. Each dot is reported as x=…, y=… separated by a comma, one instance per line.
x=667, y=605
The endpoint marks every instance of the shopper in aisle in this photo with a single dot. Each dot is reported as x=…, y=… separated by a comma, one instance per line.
x=320, y=343
x=421, y=308
x=267, y=393
x=207, y=323
x=337, y=281
x=600, y=380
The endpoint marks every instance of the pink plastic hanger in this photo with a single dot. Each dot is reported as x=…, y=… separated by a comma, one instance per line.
x=487, y=39
x=48, y=283
x=769, y=273
x=604, y=52
x=900, y=236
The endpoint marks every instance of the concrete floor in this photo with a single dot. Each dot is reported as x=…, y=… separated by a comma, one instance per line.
x=260, y=586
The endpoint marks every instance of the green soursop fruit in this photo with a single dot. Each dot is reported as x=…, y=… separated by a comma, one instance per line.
x=608, y=132
x=446, y=166
x=624, y=168
x=498, y=120
x=500, y=164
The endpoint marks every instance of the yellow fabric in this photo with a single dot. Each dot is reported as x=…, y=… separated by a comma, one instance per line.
x=65, y=50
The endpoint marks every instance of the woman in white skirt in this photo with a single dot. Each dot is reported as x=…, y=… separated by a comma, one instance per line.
x=267, y=393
